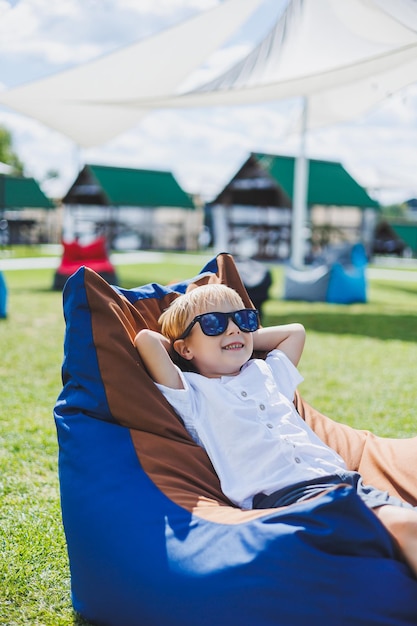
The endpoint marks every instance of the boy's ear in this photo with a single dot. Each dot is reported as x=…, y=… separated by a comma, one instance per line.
x=180, y=346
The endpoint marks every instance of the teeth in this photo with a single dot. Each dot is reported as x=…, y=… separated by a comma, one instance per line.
x=233, y=346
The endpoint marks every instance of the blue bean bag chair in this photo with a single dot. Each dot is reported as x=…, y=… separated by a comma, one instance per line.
x=152, y=541
x=347, y=282
x=309, y=284
x=3, y=296
x=339, y=279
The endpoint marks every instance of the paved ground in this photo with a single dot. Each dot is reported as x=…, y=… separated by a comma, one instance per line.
x=53, y=262
x=395, y=269
x=118, y=258
x=392, y=274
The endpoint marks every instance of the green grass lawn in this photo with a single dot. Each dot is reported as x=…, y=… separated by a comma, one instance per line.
x=359, y=367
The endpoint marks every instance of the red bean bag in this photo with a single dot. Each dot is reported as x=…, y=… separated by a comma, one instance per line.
x=93, y=255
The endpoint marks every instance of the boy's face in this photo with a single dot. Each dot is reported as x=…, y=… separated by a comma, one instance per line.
x=221, y=355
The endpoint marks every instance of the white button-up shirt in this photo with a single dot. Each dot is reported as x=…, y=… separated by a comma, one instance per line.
x=250, y=429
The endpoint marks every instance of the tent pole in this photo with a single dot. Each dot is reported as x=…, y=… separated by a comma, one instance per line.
x=299, y=212
x=220, y=229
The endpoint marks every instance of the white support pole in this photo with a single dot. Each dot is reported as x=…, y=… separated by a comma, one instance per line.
x=299, y=211
x=220, y=229
x=78, y=158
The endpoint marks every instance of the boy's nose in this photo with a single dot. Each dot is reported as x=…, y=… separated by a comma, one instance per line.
x=232, y=327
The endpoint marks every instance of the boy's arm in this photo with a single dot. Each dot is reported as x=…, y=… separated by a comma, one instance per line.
x=154, y=350
x=289, y=338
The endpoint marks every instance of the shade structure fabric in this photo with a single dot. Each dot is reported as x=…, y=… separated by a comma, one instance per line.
x=17, y=192
x=343, y=56
x=123, y=186
x=88, y=103
x=407, y=232
x=328, y=181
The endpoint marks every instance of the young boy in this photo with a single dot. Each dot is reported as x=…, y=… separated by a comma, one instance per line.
x=241, y=411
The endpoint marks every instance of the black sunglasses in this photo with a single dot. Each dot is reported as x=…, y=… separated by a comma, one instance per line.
x=213, y=324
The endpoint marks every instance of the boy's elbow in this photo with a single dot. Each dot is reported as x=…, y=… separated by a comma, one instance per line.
x=141, y=337
x=299, y=331
x=299, y=338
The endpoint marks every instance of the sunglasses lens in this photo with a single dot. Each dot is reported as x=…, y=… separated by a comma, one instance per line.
x=247, y=320
x=213, y=323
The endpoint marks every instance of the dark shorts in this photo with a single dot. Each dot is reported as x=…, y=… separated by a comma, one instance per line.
x=371, y=496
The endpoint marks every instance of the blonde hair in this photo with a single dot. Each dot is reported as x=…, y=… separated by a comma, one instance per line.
x=180, y=313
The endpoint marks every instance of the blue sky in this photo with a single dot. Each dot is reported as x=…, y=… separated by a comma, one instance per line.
x=203, y=148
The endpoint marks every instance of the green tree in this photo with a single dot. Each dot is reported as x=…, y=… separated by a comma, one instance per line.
x=7, y=154
x=395, y=210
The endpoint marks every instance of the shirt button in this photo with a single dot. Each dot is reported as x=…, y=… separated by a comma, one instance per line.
x=297, y=459
x=270, y=425
x=262, y=407
x=243, y=394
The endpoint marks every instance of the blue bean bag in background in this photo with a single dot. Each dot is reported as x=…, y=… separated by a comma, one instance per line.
x=339, y=278
x=152, y=541
x=3, y=296
x=348, y=283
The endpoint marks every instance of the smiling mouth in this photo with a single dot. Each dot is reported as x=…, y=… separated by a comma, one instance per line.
x=233, y=346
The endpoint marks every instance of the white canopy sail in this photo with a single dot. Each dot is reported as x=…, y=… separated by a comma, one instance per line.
x=88, y=103
x=343, y=56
